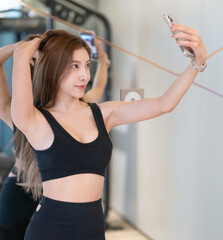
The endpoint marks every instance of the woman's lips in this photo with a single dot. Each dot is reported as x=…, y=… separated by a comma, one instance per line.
x=81, y=87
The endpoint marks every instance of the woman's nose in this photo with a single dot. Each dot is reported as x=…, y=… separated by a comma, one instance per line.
x=84, y=74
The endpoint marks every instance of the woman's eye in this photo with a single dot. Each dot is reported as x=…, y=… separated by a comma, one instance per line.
x=75, y=66
x=88, y=65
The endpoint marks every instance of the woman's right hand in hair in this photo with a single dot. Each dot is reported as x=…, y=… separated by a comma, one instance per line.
x=28, y=49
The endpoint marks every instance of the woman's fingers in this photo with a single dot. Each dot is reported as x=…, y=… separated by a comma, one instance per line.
x=187, y=44
x=185, y=36
x=189, y=37
x=175, y=27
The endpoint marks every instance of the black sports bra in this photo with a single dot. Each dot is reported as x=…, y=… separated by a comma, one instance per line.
x=67, y=156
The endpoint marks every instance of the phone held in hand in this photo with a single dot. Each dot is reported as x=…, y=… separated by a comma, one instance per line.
x=188, y=52
x=88, y=37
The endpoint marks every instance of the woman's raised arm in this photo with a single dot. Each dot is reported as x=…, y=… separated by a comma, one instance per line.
x=22, y=108
x=101, y=75
x=118, y=113
x=5, y=96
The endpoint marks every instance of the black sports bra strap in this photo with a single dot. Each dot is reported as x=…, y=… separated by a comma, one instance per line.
x=98, y=117
x=50, y=119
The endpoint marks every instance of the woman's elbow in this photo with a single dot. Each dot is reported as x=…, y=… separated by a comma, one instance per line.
x=167, y=108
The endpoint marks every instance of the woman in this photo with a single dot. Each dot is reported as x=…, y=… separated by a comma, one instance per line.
x=16, y=205
x=69, y=136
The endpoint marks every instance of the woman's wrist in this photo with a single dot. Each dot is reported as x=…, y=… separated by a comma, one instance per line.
x=18, y=44
x=200, y=62
x=21, y=55
x=27, y=49
x=6, y=52
x=198, y=65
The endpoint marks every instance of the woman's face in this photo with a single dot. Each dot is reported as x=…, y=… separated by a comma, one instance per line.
x=74, y=84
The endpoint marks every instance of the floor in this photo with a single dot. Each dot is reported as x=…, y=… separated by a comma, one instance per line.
x=121, y=230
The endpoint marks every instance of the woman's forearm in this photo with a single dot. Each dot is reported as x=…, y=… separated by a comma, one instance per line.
x=5, y=96
x=176, y=91
x=190, y=38
x=7, y=51
x=99, y=83
x=101, y=76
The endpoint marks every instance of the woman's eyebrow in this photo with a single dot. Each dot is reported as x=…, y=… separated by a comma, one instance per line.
x=76, y=61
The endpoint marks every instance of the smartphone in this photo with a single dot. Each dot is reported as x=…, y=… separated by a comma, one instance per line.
x=88, y=37
x=188, y=52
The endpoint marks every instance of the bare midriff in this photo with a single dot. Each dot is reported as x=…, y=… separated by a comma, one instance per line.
x=85, y=187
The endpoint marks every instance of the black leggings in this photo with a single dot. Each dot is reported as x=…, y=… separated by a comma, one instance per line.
x=16, y=209
x=57, y=220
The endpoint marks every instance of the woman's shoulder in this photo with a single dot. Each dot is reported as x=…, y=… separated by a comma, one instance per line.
x=108, y=107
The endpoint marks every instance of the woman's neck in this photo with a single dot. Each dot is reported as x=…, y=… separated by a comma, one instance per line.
x=67, y=104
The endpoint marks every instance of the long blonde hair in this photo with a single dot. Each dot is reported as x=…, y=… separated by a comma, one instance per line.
x=55, y=54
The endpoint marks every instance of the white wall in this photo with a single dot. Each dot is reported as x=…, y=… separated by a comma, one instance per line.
x=167, y=172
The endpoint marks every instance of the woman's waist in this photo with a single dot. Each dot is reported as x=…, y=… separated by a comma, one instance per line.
x=75, y=188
